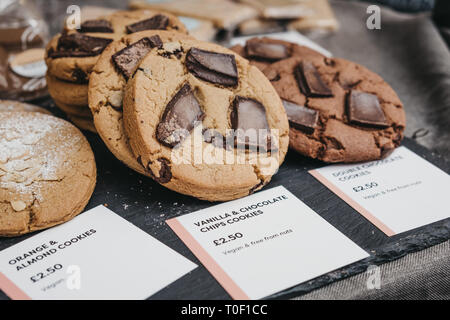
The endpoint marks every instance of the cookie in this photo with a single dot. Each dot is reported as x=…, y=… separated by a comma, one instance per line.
x=84, y=123
x=186, y=110
x=47, y=172
x=11, y=105
x=72, y=54
x=107, y=84
x=338, y=111
x=74, y=94
x=262, y=52
x=77, y=111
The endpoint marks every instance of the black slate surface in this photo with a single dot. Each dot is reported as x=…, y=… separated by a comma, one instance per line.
x=147, y=205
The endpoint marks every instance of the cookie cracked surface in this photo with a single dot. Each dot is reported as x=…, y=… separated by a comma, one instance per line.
x=47, y=172
x=168, y=79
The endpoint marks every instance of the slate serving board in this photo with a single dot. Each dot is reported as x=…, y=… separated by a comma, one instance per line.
x=147, y=205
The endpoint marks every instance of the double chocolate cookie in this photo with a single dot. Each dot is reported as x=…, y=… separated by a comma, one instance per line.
x=107, y=83
x=338, y=110
x=204, y=122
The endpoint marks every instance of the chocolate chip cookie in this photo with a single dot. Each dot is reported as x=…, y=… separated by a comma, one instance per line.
x=338, y=111
x=47, y=172
x=107, y=84
x=204, y=122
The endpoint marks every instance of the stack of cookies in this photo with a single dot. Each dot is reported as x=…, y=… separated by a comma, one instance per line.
x=168, y=105
x=71, y=56
x=338, y=110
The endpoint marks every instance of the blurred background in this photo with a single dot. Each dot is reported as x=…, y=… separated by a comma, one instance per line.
x=54, y=10
x=410, y=50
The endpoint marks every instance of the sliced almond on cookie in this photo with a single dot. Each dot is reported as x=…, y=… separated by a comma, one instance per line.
x=18, y=205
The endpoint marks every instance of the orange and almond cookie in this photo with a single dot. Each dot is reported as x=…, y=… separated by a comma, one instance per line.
x=47, y=172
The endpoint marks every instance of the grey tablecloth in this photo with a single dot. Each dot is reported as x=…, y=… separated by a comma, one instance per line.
x=421, y=275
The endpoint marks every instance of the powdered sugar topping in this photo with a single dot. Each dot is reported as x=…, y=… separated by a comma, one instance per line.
x=34, y=148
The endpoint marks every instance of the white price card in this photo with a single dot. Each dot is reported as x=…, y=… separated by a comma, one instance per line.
x=264, y=243
x=97, y=255
x=396, y=194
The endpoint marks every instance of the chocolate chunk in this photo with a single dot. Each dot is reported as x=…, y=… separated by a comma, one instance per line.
x=96, y=26
x=128, y=58
x=83, y=43
x=80, y=76
x=364, y=109
x=218, y=68
x=72, y=54
x=257, y=186
x=300, y=117
x=79, y=45
x=248, y=119
x=179, y=118
x=310, y=82
x=165, y=173
x=178, y=53
x=268, y=51
x=158, y=22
